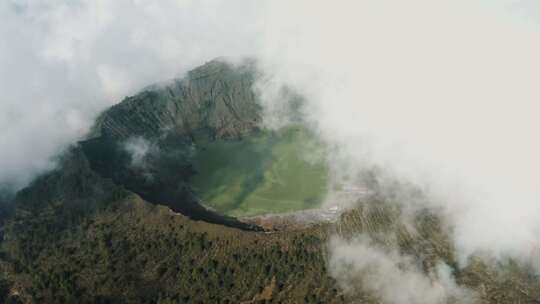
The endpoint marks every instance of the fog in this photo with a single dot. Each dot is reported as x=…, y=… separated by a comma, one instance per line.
x=62, y=62
x=361, y=266
x=439, y=94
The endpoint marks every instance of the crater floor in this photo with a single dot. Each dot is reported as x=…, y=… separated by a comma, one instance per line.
x=268, y=172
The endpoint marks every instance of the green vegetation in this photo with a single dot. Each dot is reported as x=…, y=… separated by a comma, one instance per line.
x=135, y=252
x=78, y=238
x=269, y=172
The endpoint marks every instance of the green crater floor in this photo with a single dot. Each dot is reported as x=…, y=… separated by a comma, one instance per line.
x=269, y=172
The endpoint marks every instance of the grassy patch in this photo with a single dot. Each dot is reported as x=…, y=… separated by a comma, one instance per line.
x=269, y=172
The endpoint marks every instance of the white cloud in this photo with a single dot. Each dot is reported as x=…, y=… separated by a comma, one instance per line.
x=138, y=149
x=61, y=62
x=440, y=94
x=363, y=268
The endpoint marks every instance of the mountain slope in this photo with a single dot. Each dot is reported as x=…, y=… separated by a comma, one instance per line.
x=216, y=97
x=78, y=238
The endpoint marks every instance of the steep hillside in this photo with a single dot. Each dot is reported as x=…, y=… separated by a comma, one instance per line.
x=214, y=101
x=216, y=97
x=199, y=143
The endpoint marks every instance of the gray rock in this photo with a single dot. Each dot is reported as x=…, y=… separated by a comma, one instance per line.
x=217, y=97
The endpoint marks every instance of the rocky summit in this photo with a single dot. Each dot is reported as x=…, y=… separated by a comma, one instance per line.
x=216, y=97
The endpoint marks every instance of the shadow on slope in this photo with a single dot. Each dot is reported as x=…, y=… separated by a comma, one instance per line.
x=165, y=182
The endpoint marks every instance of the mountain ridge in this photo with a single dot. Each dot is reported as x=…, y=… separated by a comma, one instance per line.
x=216, y=96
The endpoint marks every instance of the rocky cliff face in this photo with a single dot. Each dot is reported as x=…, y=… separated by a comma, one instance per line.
x=216, y=100
x=216, y=97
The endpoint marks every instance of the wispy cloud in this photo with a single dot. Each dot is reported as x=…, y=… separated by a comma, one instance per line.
x=364, y=268
x=61, y=62
x=439, y=94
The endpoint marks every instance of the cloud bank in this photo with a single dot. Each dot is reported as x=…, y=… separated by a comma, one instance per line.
x=364, y=268
x=440, y=94
x=61, y=62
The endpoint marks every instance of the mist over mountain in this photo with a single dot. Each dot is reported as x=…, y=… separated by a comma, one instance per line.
x=63, y=62
x=331, y=153
x=121, y=204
